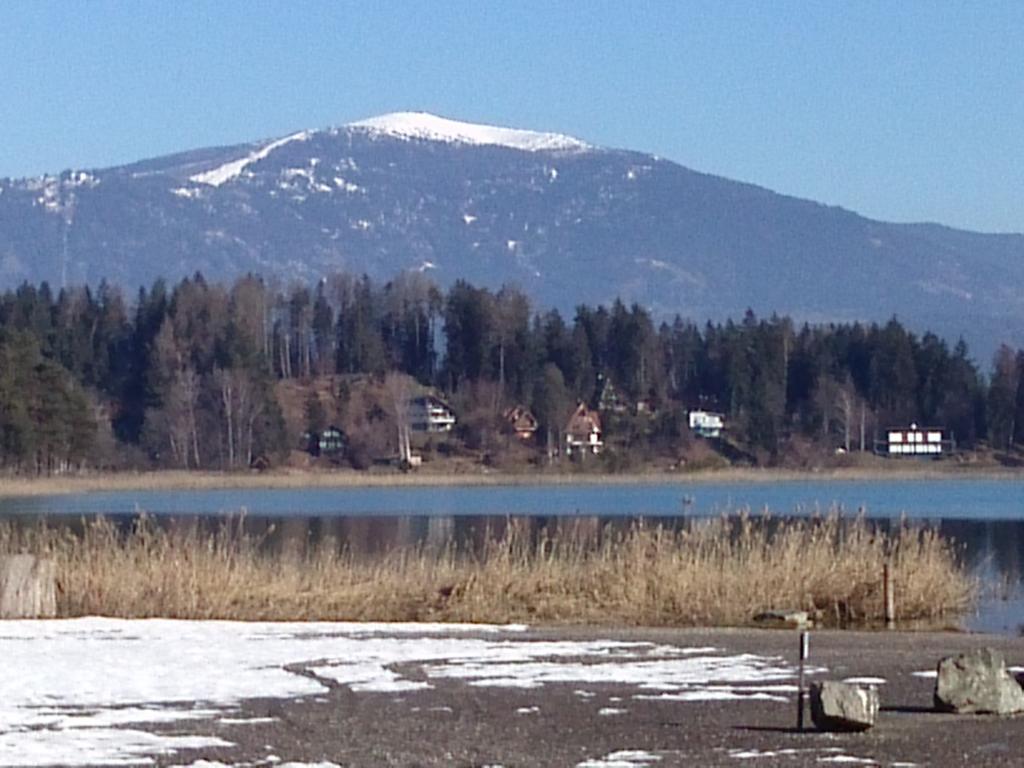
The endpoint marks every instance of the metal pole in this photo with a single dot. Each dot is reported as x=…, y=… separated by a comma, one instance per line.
x=890, y=599
x=805, y=638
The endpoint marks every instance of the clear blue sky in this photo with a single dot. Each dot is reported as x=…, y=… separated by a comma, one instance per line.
x=903, y=111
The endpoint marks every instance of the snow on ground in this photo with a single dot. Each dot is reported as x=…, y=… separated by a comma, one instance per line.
x=773, y=754
x=223, y=173
x=624, y=758
x=75, y=692
x=423, y=125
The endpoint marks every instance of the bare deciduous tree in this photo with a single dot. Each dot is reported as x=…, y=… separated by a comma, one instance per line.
x=399, y=391
x=240, y=407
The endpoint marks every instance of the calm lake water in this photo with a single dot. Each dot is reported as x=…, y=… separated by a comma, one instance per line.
x=986, y=517
x=920, y=499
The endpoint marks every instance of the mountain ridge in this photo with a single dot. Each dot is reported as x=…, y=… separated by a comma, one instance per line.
x=568, y=221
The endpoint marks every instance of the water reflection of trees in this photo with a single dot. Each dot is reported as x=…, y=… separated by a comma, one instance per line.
x=994, y=549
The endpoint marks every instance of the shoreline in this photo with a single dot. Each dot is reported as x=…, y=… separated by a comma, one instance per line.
x=582, y=700
x=178, y=480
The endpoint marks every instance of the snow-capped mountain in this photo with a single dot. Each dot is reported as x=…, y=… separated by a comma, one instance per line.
x=422, y=125
x=567, y=221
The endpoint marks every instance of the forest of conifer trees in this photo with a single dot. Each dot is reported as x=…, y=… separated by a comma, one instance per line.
x=186, y=375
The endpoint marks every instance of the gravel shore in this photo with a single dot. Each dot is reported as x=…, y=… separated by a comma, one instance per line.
x=600, y=725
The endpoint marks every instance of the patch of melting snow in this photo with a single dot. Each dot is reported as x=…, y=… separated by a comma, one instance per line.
x=371, y=675
x=848, y=760
x=708, y=694
x=671, y=670
x=348, y=186
x=73, y=688
x=758, y=754
x=609, y=711
x=927, y=674
x=527, y=710
x=94, y=746
x=624, y=758
x=224, y=173
x=186, y=192
x=865, y=680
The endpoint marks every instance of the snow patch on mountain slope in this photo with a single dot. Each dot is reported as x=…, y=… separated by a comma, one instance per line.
x=228, y=171
x=423, y=125
x=186, y=192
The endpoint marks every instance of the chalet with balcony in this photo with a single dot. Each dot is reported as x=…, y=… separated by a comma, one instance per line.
x=583, y=432
x=331, y=441
x=521, y=422
x=900, y=442
x=706, y=423
x=430, y=414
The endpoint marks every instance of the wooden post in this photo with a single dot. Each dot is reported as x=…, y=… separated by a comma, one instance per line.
x=805, y=638
x=890, y=599
x=28, y=588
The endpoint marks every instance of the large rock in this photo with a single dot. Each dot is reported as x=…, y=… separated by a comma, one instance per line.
x=977, y=682
x=794, y=619
x=843, y=706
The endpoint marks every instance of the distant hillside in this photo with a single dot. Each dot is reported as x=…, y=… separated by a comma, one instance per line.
x=567, y=221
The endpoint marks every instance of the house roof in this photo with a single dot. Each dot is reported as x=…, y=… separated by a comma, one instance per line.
x=521, y=418
x=430, y=400
x=583, y=420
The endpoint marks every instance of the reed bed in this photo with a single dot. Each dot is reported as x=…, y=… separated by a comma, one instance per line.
x=193, y=480
x=715, y=572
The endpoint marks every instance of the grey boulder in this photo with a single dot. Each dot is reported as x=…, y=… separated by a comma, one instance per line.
x=794, y=619
x=843, y=706
x=977, y=682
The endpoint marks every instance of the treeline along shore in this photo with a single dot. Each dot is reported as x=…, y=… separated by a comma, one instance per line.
x=206, y=376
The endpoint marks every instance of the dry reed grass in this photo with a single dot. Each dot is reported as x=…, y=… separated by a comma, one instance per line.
x=178, y=480
x=717, y=572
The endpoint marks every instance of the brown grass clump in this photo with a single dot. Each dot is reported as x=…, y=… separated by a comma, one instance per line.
x=716, y=572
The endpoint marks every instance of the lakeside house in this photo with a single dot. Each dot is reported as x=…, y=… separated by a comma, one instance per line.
x=331, y=441
x=706, y=423
x=521, y=422
x=608, y=399
x=583, y=432
x=430, y=413
x=915, y=441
